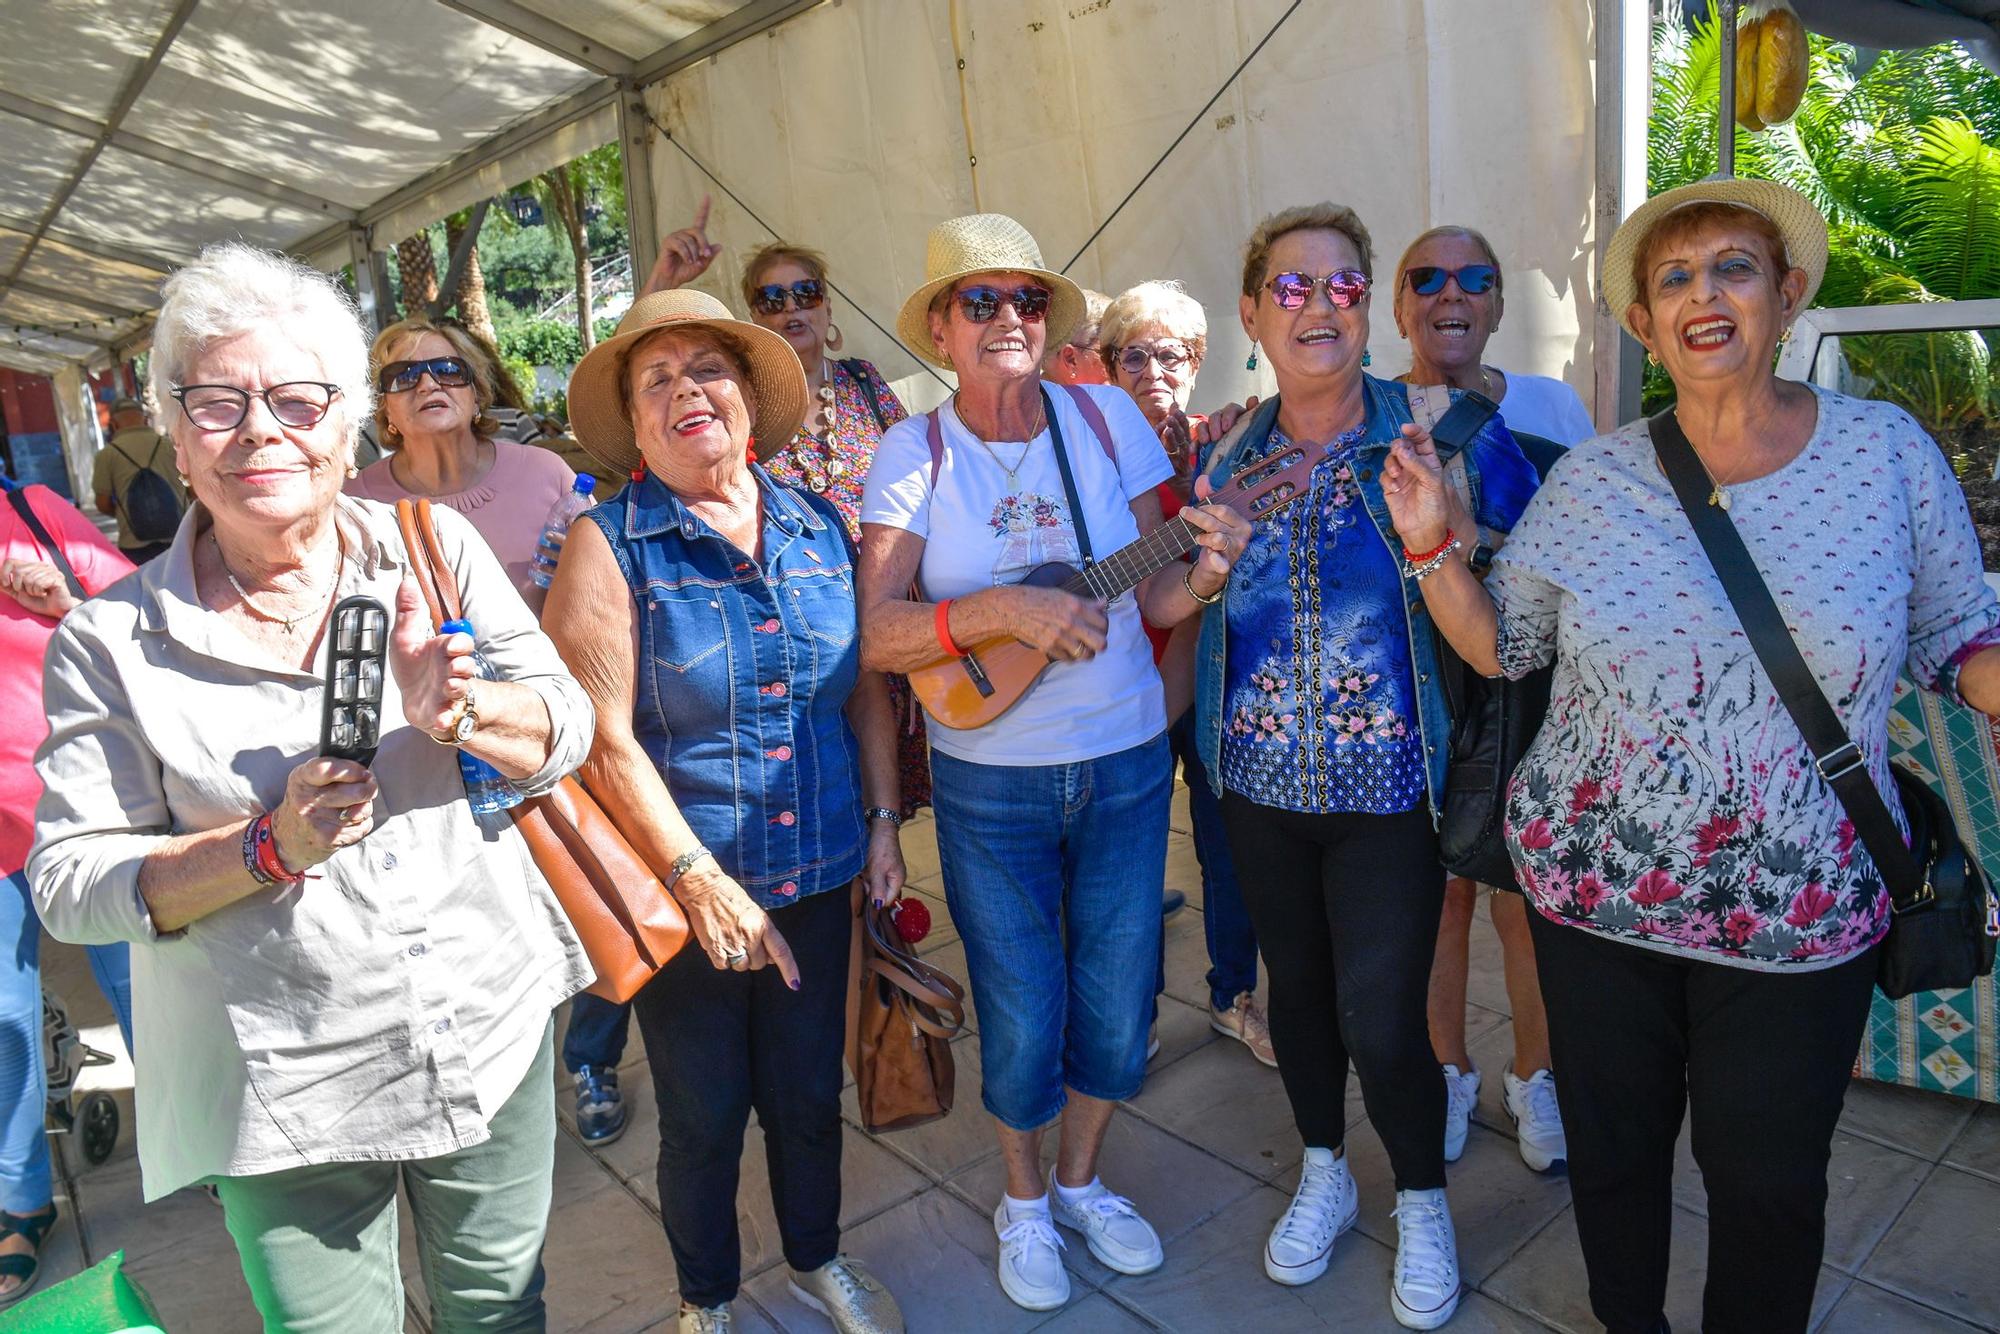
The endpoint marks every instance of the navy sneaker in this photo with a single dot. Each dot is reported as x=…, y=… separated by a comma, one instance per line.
x=600, y=1111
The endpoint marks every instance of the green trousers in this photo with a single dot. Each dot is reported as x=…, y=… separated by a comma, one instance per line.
x=319, y=1249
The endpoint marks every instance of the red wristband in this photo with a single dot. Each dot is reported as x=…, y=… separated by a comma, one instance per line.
x=1419, y=557
x=267, y=853
x=943, y=622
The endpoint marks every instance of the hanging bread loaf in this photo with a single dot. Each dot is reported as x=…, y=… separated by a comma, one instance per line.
x=1784, y=60
x=1746, y=76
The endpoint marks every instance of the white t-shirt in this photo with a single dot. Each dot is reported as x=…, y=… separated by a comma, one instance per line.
x=982, y=530
x=1545, y=407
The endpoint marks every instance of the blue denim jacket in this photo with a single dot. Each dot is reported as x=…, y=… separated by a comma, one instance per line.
x=1501, y=481
x=744, y=674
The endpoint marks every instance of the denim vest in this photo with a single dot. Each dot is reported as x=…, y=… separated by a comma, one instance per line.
x=744, y=673
x=1388, y=408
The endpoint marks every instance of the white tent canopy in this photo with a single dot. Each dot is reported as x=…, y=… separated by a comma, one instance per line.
x=133, y=133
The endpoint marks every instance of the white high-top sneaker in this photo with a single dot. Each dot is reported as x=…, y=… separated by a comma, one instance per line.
x=1324, y=1207
x=1425, y=1290
x=1461, y=1095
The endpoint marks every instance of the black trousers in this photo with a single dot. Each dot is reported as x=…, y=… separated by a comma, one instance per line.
x=1346, y=909
x=1759, y=1061
x=721, y=1043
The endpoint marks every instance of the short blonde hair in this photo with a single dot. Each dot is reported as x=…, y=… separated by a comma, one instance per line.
x=232, y=288
x=1471, y=234
x=778, y=252
x=1321, y=217
x=463, y=343
x=1164, y=302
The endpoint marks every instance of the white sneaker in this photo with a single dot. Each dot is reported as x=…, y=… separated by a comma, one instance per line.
x=704, y=1320
x=1324, y=1207
x=1538, y=1125
x=1117, y=1236
x=1425, y=1290
x=1031, y=1267
x=1461, y=1095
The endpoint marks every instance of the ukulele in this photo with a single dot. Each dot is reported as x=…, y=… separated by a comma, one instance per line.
x=996, y=674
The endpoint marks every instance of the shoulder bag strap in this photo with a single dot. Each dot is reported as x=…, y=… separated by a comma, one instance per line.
x=434, y=577
x=858, y=369
x=1095, y=416
x=1068, y=480
x=934, y=434
x=1839, y=760
x=19, y=500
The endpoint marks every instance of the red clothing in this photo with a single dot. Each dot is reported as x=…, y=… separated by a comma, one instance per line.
x=24, y=638
x=1170, y=505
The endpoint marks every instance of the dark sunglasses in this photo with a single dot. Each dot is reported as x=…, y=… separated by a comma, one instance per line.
x=1344, y=288
x=399, y=377
x=981, y=303
x=806, y=294
x=1473, y=279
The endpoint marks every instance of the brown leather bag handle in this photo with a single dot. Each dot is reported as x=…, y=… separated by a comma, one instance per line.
x=408, y=521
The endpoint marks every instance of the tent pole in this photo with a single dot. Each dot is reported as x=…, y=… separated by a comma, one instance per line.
x=1725, y=135
x=642, y=222
x=371, y=295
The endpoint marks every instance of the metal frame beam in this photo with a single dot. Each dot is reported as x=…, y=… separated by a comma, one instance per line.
x=28, y=328
x=90, y=304
x=90, y=245
x=710, y=38
x=642, y=223
x=537, y=30
x=1624, y=75
x=128, y=94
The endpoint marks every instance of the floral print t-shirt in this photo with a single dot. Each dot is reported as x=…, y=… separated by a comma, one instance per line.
x=1319, y=706
x=836, y=466
x=1669, y=800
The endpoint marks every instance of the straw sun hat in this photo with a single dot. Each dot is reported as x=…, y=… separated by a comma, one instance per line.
x=596, y=408
x=1802, y=226
x=984, y=243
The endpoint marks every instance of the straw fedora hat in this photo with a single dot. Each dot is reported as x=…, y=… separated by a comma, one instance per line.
x=597, y=412
x=984, y=243
x=1802, y=226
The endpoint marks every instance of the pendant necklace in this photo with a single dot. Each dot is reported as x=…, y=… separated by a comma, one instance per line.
x=291, y=623
x=1041, y=424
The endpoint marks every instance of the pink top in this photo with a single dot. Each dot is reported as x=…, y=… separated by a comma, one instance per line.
x=506, y=506
x=24, y=636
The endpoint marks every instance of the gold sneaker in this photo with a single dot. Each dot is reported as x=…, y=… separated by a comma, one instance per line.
x=851, y=1297
x=1245, y=1022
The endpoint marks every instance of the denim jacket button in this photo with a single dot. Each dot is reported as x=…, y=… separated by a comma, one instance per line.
x=778, y=689
x=787, y=819
x=789, y=889
x=770, y=626
x=780, y=753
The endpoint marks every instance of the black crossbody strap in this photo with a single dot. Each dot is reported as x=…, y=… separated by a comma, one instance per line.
x=19, y=500
x=1068, y=481
x=1839, y=760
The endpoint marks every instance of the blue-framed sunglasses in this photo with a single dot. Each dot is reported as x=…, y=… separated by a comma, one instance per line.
x=1473, y=279
x=399, y=377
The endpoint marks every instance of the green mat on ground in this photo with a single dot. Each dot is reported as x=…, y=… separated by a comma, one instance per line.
x=100, y=1300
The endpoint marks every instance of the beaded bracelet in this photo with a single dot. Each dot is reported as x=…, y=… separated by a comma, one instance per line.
x=1425, y=569
x=1419, y=557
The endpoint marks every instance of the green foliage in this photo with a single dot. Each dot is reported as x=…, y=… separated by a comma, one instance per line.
x=1901, y=157
x=545, y=342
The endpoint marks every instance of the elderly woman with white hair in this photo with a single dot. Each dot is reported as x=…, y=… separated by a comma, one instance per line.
x=343, y=980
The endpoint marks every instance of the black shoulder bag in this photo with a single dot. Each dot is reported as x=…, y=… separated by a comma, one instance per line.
x=854, y=366
x=1939, y=934
x=19, y=500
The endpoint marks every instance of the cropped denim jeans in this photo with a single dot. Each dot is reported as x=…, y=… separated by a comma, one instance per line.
x=1053, y=874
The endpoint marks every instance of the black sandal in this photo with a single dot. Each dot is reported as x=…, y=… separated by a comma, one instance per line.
x=27, y=1268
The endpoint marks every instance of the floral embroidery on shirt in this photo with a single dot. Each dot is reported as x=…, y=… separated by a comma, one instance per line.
x=1034, y=529
x=1266, y=716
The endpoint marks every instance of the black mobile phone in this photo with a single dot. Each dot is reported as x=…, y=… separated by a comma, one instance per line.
x=1461, y=422
x=357, y=655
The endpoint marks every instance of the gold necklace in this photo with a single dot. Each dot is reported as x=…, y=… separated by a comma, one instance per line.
x=1716, y=495
x=291, y=623
x=1041, y=424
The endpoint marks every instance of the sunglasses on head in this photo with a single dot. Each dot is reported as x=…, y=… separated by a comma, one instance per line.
x=1344, y=288
x=805, y=294
x=1473, y=279
x=399, y=377
x=981, y=303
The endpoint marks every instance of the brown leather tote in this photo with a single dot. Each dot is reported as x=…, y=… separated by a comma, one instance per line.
x=901, y=1017
x=628, y=922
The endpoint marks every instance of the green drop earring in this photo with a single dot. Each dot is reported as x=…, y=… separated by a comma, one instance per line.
x=1251, y=364
x=1366, y=359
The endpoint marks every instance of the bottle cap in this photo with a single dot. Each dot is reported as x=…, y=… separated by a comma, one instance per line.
x=585, y=484
x=461, y=626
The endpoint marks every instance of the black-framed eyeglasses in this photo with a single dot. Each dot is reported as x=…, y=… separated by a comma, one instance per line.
x=222, y=407
x=1473, y=279
x=981, y=304
x=1172, y=357
x=805, y=294
x=399, y=377
x=1344, y=289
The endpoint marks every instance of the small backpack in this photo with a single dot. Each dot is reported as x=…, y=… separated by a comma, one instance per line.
x=150, y=507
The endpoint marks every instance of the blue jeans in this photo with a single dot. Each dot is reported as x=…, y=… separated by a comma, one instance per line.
x=596, y=1033
x=1232, y=940
x=25, y=1181
x=1053, y=874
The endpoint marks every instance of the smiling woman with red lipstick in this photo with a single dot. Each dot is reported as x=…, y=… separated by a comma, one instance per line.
x=1705, y=922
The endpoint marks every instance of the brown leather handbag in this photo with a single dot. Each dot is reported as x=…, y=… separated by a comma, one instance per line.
x=628, y=922
x=901, y=1017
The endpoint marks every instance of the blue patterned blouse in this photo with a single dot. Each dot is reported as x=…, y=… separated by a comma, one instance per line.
x=1319, y=706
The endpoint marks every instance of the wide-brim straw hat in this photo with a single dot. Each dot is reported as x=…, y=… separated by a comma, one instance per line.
x=984, y=243
x=1801, y=224
x=596, y=410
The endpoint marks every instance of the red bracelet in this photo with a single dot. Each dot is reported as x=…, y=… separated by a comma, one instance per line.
x=944, y=639
x=267, y=853
x=1419, y=557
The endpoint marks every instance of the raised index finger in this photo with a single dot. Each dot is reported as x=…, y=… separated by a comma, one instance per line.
x=701, y=213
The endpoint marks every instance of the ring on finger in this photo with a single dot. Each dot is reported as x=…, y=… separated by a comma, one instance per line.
x=354, y=814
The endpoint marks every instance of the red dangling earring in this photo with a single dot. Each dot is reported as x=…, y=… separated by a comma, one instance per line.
x=639, y=473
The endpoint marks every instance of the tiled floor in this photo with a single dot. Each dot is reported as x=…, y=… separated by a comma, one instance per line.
x=1207, y=1150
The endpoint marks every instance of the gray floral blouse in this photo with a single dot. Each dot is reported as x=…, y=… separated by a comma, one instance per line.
x=1669, y=800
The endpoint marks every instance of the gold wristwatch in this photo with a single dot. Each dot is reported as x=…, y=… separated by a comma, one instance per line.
x=463, y=723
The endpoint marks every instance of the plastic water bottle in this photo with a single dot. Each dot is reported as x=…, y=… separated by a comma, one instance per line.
x=486, y=788
x=548, y=547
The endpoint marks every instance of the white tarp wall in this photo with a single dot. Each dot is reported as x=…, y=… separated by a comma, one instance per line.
x=853, y=128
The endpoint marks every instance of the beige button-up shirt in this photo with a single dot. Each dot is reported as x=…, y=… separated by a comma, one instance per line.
x=384, y=1011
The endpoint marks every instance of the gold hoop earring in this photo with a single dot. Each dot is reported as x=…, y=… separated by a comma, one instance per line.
x=1652, y=358
x=833, y=337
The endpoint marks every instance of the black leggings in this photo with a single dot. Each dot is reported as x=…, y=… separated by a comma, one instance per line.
x=1346, y=909
x=1760, y=1062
